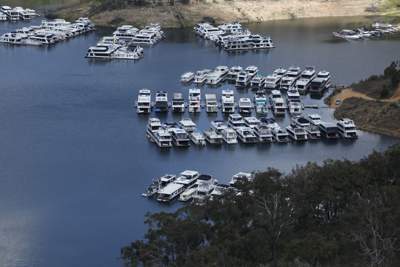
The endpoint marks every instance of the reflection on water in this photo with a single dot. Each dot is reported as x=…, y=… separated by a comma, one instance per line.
x=74, y=156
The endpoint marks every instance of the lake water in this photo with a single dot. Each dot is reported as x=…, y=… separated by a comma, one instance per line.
x=73, y=155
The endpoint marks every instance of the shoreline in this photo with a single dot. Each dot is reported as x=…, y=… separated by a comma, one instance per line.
x=181, y=15
x=355, y=105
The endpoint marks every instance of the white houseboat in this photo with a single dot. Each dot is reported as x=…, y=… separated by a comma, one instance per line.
x=143, y=104
x=194, y=100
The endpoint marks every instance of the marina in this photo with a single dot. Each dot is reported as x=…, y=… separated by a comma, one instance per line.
x=126, y=43
x=248, y=130
x=303, y=81
x=49, y=32
x=17, y=13
x=233, y=37
x=85, y=109
x=376, y=30
x=191, y=186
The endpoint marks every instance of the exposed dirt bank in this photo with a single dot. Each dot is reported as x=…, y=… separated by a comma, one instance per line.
x=180, y=15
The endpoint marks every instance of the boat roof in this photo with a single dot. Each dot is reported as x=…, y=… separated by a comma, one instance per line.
x=187, y=122
x=194, y=90
x=314, y=116
x=251, y=120
x=189, y=173
x=167, y=177
x=235, y=116
x=211, y=96
x=170, y=188
x=205, y=177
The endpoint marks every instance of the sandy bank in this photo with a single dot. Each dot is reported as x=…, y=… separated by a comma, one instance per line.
x=181, y=15
x=349, y=93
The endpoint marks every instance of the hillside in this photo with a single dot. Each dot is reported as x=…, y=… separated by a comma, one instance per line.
x=173, y=13
x=374, y=103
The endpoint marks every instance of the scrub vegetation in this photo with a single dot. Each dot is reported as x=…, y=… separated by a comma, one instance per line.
x=374, y=103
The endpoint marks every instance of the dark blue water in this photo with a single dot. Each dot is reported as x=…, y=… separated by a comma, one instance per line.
x=73, y=156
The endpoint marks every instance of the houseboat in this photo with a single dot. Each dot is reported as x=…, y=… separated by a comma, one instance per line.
x=197, y=138
x=228, y=101
x=219, y=125
x=233, y=73
x=280, y=72
x=245, y=105
x=187, y=77
x=313, y=132
x=243, y=79
x=229, y=135
x=320, y=83
x=157, y=184
x=188, y=125
x=347, y=128
x=261, y=102
x=178, y=103
x=257, y=82
x=348, y=35
x=329, y=130
x=263, y=133
x=295, y=108
x=161, y=102
x=241, y=177
x=213, y=137
x=170, y=192
x=217, y=76
x=102, y=50
x=272, y=82
x=162, y=138
x=279, y=107
x=201, y=76
x=246, y=135
x=187, y=178
x=194, y=100
x=251, y=122
x=180, y=137
x=211, y=103
x=314, y=119
x=235, y=121
x=125, y=33
x=296, y=132
x=153, y=125
x=143, y=104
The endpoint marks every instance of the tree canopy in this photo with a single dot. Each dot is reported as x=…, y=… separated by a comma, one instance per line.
x=339, y=213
